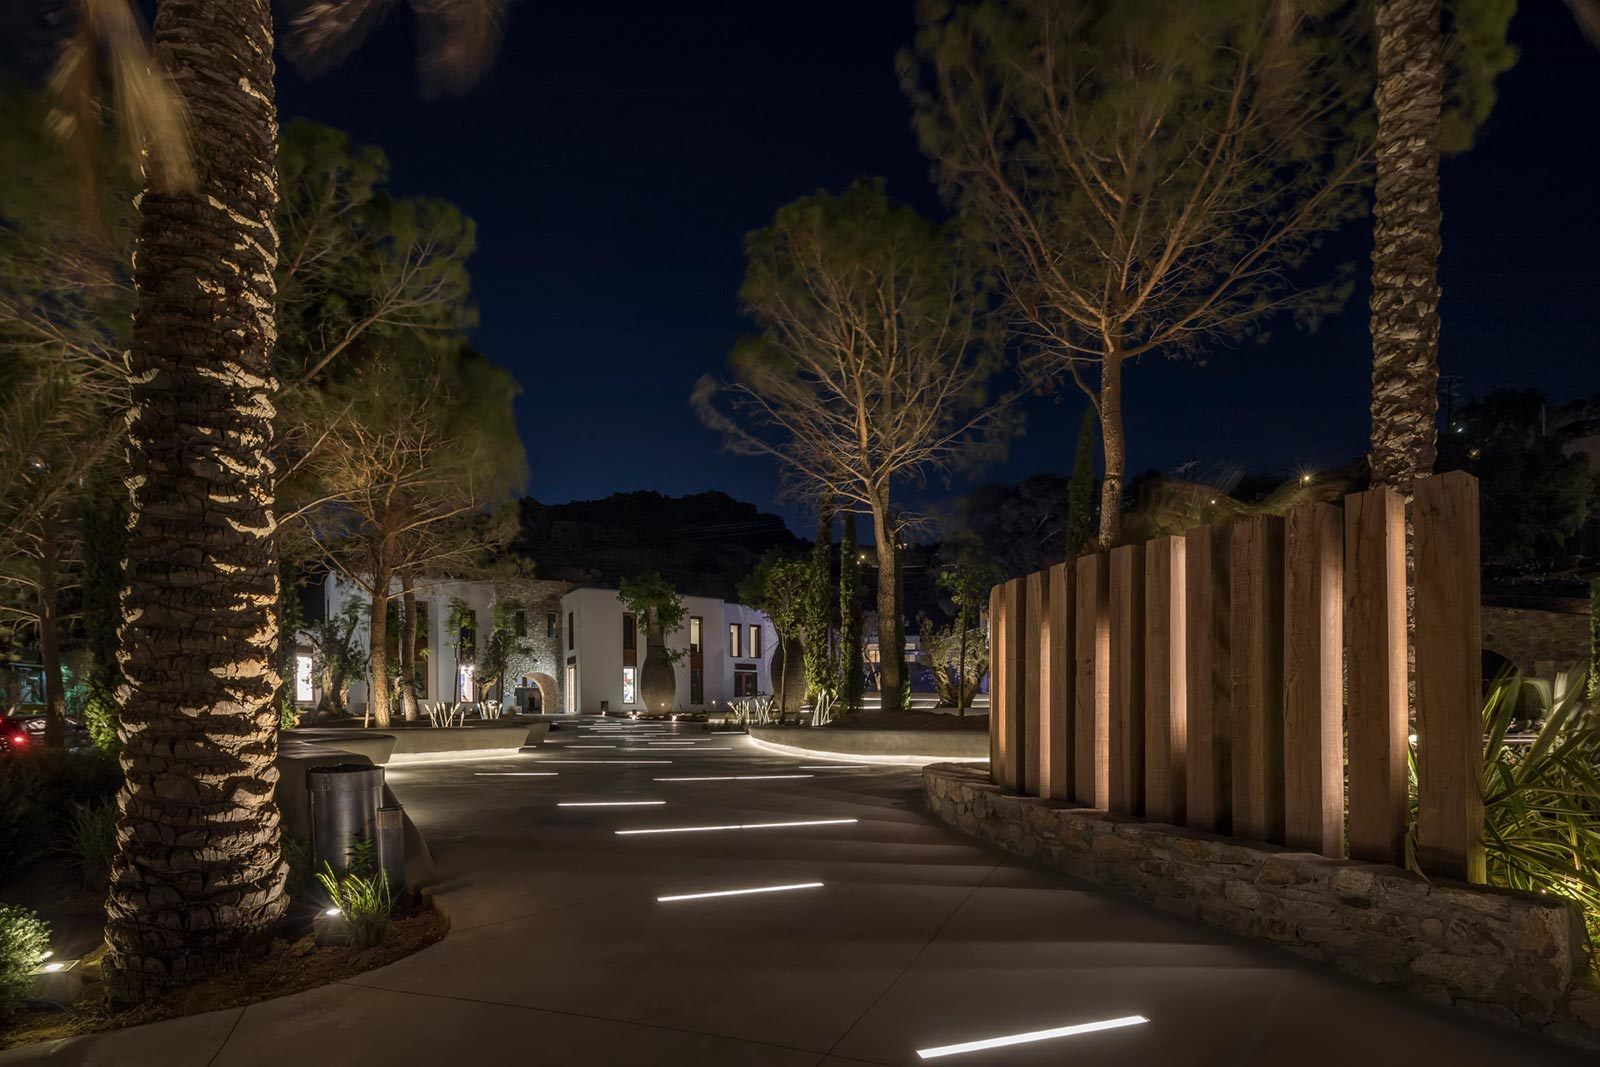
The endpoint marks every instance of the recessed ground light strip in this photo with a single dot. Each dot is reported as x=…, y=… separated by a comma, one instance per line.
x=1036, y=1035
x=741, y=892
x=736, y=826
x=629, y=762
x=516, y=774
x=591, y=746
x=610, y=803
x=736, y=778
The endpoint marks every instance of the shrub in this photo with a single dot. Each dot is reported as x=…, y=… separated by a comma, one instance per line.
x=36, y=788
x=1541, y=799
x=92, y=840
x=24, y=942
x=362, y=894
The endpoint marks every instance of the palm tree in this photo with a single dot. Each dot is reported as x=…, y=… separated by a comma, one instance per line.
x=1405, y=254
x=199, y=876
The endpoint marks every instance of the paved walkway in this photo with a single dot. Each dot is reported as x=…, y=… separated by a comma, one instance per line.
x=561, y=954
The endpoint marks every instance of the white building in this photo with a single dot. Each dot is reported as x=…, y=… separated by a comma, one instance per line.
x=581, y=650
x=728, y=651
x=453, y=615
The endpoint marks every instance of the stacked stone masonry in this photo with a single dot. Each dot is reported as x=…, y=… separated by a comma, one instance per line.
x=1507, y=956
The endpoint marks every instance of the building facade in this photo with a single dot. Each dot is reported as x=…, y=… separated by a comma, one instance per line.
x=727, y=652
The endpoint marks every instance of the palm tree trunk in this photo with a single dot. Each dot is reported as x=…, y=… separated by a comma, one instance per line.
x=55, y=703
x=408, y=646
x=198, y=882
x=1405, y=253
x=891, y=640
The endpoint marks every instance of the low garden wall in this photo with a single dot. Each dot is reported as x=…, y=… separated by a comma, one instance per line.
x=908, y=745
x=409, y=744
x=1505, y=955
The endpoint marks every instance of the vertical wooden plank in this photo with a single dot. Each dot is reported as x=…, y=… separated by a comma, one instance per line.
x=1013, y=741
x=1091, y=704
x=1166, y=719
x=1035, y=592
x=1313, y=700
x=1375, y=673
x=1126, y=619
x=1207, y=685
x=1257, y=658
x=1057, y=690
x=999, y=677
x=1449, y=642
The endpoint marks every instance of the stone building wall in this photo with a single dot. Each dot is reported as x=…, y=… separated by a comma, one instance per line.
x=539, y=600
x=1507, y=956
x=1539, y=642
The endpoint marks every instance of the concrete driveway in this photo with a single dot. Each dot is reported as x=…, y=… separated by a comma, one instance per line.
x=560, y=952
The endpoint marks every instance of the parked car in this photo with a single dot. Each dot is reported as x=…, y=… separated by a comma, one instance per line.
x=20, y=733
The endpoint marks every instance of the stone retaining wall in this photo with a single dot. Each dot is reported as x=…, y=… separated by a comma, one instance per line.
x=1505, y=955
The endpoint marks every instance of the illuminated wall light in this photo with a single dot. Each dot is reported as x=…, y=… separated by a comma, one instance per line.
x=736, y=826
x=610, y=803
x=52, y=968
x=741, y=892
x=333, y=911
x=736, y=778
x=1036, y=1035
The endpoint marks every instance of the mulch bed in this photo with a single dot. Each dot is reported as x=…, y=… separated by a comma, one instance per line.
x=288, y=967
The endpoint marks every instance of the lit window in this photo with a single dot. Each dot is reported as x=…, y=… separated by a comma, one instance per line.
x=733, y=640
x=755, y=641
x=629, y=689
x=694, y=633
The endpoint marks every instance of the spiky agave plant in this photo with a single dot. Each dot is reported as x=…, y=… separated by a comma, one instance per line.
x=1541, y=798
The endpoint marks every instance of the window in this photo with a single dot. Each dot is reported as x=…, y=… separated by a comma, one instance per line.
x=629, y=689
x=697, y=686
x=744, y=682
x=519, y=624
x=569, y=630
x=630, y=640
x=550, y=624
x=569, y=695
x=733, y=640
x=695, y=625
x=302, y=678
x=755, y=641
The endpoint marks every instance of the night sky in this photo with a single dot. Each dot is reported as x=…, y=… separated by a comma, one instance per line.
x=618, y=152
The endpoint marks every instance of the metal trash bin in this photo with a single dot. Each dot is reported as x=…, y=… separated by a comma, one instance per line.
x=344, y=810
x=392, y=847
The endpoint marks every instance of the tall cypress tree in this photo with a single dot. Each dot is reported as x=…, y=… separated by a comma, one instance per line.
x=850, y=669
x=821, y=676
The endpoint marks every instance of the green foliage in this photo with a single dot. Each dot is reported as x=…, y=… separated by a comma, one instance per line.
x=650, y=597
x=362, y=894
x=958, y=657
x=92, y=840
x=104, y=517
x=1535, y=494
x=297, y=857
x=495, y=657
x=1593, y=684
x=1476, y=53
x=818, y=638
x=851, y=671
x=1080, y=491
x=337, y=657
x=24, y=944
x=1541, y=800
x=778, y=586
x=36, y=788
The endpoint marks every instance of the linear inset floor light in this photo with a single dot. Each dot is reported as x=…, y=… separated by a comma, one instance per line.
x=591, y=746
x=735, y=826
x=516, y=774
x=1036, y=1035
x=736, y=778
x=630, y=762
x=741, y=892
x=610, y=803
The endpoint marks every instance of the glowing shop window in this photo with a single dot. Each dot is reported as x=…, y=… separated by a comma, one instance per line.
x=629, y=689
x=302, y=678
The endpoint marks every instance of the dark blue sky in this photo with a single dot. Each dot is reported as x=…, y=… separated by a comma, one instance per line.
x=618, y=152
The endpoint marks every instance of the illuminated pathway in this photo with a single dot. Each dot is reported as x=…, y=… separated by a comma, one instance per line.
x=878, y=933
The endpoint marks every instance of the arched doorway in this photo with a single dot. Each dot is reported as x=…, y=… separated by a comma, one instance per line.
x=544, y=694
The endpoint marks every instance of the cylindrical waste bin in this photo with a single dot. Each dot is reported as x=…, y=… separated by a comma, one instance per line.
x=344, y=811
x=392, y=847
